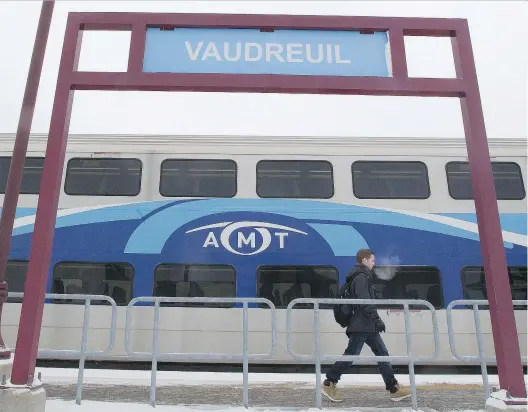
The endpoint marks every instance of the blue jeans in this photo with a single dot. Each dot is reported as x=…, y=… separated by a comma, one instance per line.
x=355, y=344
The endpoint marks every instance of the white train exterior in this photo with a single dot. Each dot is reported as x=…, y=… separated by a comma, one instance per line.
x=259, y=216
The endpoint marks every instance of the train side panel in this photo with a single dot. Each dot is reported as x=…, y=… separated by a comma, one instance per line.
x=278, y=248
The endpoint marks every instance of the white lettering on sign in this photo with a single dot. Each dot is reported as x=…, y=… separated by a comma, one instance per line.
x=250, y=244
x=211, y=51
x=275, y=50
x=254, y=52
x=320, y=54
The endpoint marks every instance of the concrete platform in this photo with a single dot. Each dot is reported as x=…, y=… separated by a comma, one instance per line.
x=22, y=399
x=442, y=398
x=6, y=365
x=55, y=405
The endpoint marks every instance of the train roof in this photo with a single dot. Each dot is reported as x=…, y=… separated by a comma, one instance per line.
x=381, y=145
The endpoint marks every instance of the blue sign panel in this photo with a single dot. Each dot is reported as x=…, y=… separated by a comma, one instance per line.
x=250, y=51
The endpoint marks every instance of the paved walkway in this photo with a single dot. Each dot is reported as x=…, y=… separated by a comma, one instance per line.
x=440, y=397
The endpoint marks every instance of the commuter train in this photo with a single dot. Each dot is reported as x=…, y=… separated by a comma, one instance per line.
x=258, y=216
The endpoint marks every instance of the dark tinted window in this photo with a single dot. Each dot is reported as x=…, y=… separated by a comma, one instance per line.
x=16, y=273
x=110, y=279
x=474, y=283
x=390, y=180
x=103, y=177
x=507, y=176
x=198, y=178
x=30, y=178
x=409, y=282
x=295, y=179
x=282, y=284
x=180, y=280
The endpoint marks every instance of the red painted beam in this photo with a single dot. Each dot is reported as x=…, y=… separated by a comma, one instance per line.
x=411, y=26
x=258, y=83
x=137, y=48
x=398, y=55
x=516, y=402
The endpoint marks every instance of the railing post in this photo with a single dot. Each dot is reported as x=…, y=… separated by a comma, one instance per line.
x=482, y=355
x=317, y=350
x=154, y=369
x=410, y=355
x=245, y=367
x=84, y=338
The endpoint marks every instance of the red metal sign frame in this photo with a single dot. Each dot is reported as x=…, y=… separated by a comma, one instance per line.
x=464, y=86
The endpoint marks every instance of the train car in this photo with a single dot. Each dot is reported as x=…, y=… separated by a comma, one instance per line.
x=259, y=216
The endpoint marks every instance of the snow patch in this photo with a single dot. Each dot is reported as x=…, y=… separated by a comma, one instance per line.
x=497, y=402
x=164, y=378
x=7, y=362
x=53, y=405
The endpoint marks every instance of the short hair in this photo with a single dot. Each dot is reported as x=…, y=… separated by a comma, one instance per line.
x=363, y=254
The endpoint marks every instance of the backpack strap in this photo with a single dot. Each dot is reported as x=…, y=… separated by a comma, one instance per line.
x=352, y=296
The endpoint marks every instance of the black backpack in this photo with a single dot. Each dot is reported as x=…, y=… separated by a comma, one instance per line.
x=342, y=313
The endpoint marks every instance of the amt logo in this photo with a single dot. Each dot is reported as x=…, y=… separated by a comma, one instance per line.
x=258, y=239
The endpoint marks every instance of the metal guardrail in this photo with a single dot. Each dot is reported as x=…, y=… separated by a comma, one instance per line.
x=82, y=353
x=155, y=356
x=481, y=358
x=318, y=358
x=245, y=357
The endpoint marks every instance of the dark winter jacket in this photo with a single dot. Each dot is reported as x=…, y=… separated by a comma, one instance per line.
x=365, y=316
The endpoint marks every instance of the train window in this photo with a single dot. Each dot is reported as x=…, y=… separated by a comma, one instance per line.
x=16, y=273
x=198, y=178
x=409, y=282
x=282, y=284
x=507, y=176
x=474, y=284
x=182, y=281
x=30, y=178
x=103, y=177
x=390, y=180
x=299, y=179
x=90, y=278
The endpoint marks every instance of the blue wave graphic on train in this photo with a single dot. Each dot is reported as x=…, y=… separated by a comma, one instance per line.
x=248, y=233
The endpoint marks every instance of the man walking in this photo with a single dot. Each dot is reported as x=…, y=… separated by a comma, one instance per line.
x=364, y=326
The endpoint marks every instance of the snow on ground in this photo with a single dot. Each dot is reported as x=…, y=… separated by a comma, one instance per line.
x=54, y=376
x=53, y=405
x=87, y=406
x=142, y=378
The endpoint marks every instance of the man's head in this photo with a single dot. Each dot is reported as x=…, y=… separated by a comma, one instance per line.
x=365, y=257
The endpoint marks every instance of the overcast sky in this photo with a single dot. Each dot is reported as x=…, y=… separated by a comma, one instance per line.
x=500, y=42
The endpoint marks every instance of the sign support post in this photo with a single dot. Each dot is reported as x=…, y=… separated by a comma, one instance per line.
x=491, y=242
x=16, y=169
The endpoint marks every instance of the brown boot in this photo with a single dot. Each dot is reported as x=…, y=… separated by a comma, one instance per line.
x=399, y=393
x=329, y=389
